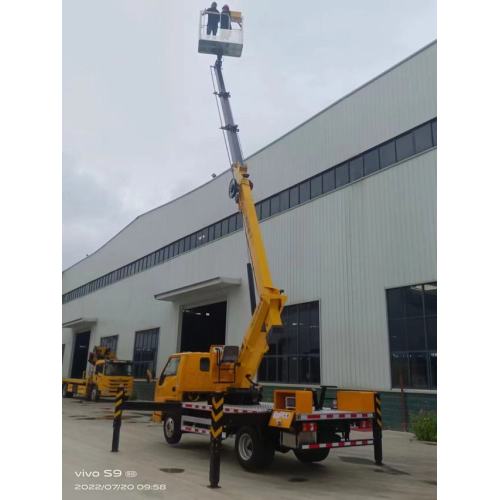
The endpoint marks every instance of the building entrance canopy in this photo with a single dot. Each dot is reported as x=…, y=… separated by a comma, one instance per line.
x=194, y=290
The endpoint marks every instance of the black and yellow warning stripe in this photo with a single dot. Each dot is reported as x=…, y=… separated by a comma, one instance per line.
x=378, y=410
x=217, y=416
x=119, y=399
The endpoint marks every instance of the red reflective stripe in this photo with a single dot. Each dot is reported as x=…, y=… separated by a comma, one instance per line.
x=311, y=417
x=341, y=444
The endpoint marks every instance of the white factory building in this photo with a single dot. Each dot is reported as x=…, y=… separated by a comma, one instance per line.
x=347, y=202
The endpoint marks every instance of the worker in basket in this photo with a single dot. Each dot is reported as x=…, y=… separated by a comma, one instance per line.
x=225, y=22
x=225, y=18
x=213, y=19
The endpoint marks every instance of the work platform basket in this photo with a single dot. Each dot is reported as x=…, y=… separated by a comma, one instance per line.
x=225, y=42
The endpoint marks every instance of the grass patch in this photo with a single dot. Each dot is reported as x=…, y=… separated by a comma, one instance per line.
x=424, y=426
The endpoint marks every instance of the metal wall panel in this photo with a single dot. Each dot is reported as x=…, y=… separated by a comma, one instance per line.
x=398, y=100
x=343, y=249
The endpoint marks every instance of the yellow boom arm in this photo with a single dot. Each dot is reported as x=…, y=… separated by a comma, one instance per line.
x=267, y=314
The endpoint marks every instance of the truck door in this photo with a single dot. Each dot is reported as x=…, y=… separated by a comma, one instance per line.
x=167, y=387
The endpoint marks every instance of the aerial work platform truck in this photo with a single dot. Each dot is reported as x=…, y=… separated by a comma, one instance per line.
x=296, y=420
x=103, y=378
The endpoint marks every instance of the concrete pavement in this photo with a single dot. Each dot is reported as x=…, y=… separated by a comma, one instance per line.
x=155, y=469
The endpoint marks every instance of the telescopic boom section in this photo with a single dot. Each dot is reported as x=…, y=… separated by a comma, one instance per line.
x=267, y=314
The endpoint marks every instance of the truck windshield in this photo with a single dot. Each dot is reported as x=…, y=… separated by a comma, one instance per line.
x=118, y=369
x=171, y=368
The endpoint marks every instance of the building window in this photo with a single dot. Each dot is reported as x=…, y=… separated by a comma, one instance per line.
x=239, y=220
x=224, y=227
x=342, y=175
x=202, y=237
x=356, y=168
x=423, y=138
x=412, y=316
x=404, y=146
x=145, y=350
x=329, y=180
x=285, y=200
x=371, y=161
x=294, y=196
x=193, y=241
x=258, y=210
x=434, y=132
x=265, y=208
x=275, y=204
x=316, y=186
x=217, y=230
x=293, y=355
x=305, y=191
x=387, y=154
x=111, y=342
x=232, y=223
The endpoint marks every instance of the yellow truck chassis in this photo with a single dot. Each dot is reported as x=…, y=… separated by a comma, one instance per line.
x=262, y=429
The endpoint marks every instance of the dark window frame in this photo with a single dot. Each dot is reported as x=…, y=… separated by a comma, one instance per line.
x=110, y=341
x=284, y=361
x=145, y=341
x=294, y=196
x=316, y=186
x=387, y=147
x=305, y=191
x=284, y=200
x=356, y=168
x=265, y=209
x=232, y=224
x=342, y=175
x=406, y=149
x=409, y=335
x=274, y=204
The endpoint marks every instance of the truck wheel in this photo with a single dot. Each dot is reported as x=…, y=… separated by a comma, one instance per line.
x=253, y=451
x=172, y=428
x=65, y=393
x=94, y=394
x=309, y=456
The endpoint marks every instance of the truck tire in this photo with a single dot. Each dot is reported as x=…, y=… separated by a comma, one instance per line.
x=309, y=456
x=253, y=451
x=94, y=394
x=172, y=428
x=65, y=393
